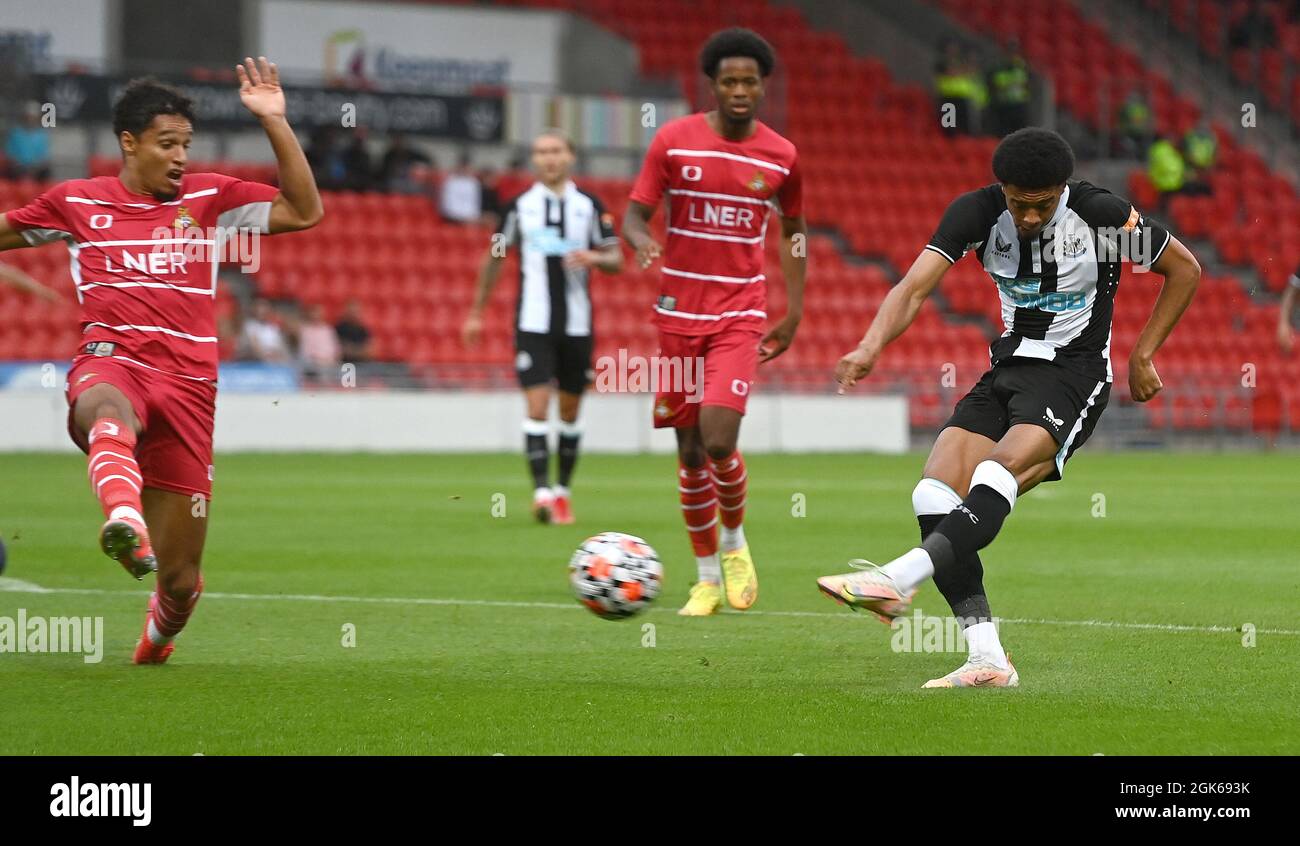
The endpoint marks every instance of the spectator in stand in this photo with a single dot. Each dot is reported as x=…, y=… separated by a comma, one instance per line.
x=27, y=146
x=395, y=170
x=461, y=198
x=354, y=337
x=358, y=168
x=325, y=154
x=1200, y=150
x=318, y=345
x=1285, y=335
x=959, y=90
x=1166, y=168
x=1136, y=126
x=263, y=338
x=1008, y=88
x=1253, y=30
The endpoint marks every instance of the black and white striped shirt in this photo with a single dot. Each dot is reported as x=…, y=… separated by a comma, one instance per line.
x=545, y=226
x=1058, y=287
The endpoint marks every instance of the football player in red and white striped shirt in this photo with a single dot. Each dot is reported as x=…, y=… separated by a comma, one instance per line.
x=722, y=172
x=145, y=247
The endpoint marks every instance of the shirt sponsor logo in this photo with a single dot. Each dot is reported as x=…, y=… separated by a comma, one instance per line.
x=548, y=241
x=99, y=348
x=1024, y=293
x=717, y=215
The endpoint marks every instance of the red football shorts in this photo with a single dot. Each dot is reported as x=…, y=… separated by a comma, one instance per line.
x=725, y=362
x=175, y=414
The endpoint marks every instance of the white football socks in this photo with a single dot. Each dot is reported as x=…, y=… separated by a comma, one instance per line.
x=729, y=540
x=910, y=569
x=983, y=644
x=127, y=512
x=710, y=569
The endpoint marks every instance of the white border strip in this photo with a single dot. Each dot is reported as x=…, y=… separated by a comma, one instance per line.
x=10, y=585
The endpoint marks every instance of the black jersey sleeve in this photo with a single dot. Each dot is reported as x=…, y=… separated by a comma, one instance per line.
x=507, y=234
x=1119, y=225
x=966, y=224
x=602, y=225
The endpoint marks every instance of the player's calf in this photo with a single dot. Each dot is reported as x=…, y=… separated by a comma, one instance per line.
x=170, y=607
x=117, y=483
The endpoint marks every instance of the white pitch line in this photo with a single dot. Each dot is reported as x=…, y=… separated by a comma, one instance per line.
x=8, y=585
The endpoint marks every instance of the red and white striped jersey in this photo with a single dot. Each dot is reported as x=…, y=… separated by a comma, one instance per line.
x=720, y=195
x=145, y=270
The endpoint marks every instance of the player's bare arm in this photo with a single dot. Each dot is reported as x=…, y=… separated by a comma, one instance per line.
x=636, y=232
x=1182, y=273
x=794, y=267
x=10, y=238
x=488, y=274
x=899, y=309
x=15, y=277
x=609, y=259
x=1285, y=336
x=298, y=205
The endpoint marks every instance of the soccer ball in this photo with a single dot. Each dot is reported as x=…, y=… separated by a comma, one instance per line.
x=615, y=575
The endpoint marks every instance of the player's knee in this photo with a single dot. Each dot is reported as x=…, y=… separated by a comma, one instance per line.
x=994, y=474
x=931, y=496
x=179, y=583
x=103, y=405
x=692, y=455
x=1015, y=462
x=720, y=450
x=690, y=449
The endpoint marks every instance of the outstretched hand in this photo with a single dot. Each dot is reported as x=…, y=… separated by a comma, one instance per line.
x=259, y=87
x=854, y=365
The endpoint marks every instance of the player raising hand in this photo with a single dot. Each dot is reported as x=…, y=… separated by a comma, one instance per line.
x=142, y=387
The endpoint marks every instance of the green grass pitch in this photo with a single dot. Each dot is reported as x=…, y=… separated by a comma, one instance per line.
x=468, y=642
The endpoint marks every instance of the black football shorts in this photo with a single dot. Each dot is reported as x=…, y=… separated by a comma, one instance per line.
x=1061, y=401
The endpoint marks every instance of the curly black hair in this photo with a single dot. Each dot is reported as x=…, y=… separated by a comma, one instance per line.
x=1033, y=158
x=736, y=42
x=143, y=100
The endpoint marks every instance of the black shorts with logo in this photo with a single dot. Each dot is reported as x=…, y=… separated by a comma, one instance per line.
x=541, y=357
x=1063, y=402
